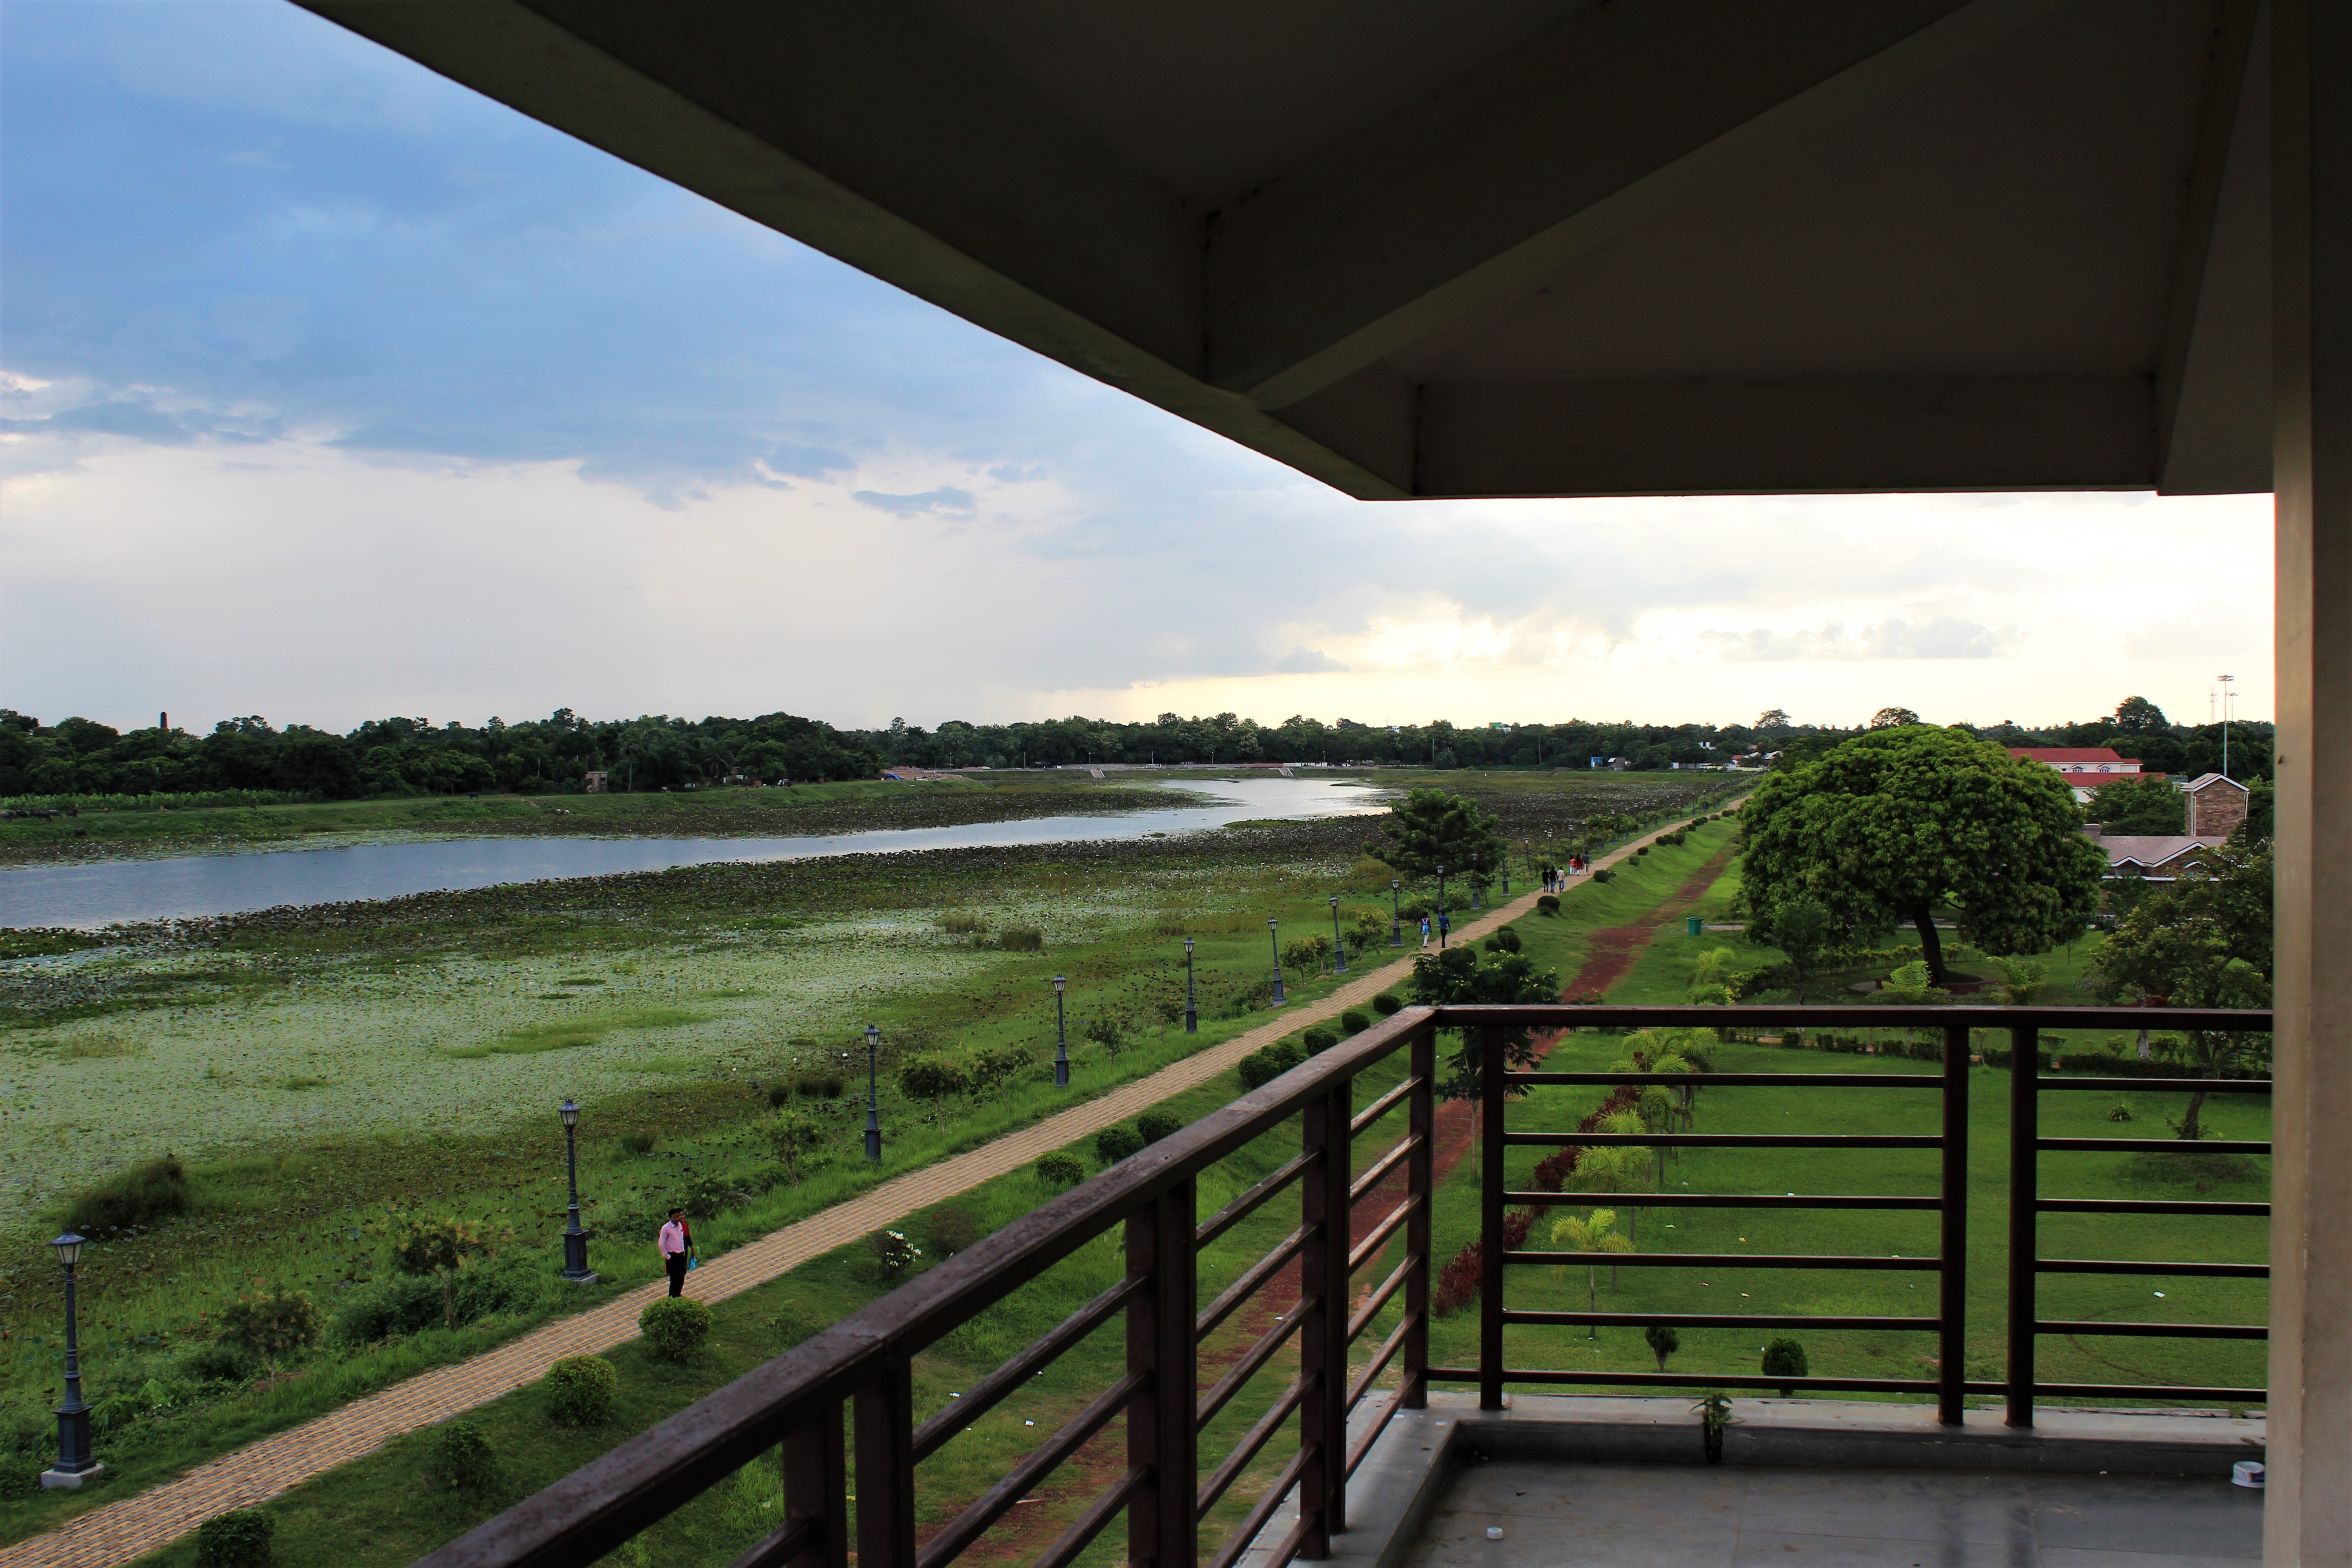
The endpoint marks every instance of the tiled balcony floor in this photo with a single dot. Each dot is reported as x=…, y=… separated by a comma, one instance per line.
x=1737, y=1516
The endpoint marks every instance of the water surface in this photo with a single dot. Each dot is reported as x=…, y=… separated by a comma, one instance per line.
x=126, y=890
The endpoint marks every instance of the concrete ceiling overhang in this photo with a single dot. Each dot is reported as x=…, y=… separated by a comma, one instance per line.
x=1508, y=248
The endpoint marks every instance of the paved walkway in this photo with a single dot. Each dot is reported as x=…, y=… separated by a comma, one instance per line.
x=137, y=1525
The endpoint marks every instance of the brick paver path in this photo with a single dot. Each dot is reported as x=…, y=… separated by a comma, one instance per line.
x=137, y=1525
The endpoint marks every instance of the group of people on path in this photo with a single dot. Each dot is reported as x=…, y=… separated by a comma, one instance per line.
x=1555, y=878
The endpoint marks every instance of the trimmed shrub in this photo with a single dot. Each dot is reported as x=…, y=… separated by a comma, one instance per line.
x=150, y=1191
x=675, y=1327
x=1060, y=1170
x=1265, y=1064
x=1603, y=875
x=1351, y=1022
x=1154, y=1125
x=951, y=1228
x=1384, y=1004
x=581, y=1390
x=894, y=1255
x=932, y=1077
x=1785, y=1357
x=1021, y=938
x=1504, y=941
x=271, y=1324
x=238, y=1538
x=463, y=1459
x=1547, y=903
x=1115, y=1143
x=1315, y=1042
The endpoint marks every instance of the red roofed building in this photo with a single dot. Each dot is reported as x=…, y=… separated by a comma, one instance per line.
x=2084, y=767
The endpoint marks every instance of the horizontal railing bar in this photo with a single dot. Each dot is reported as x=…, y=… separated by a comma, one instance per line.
x=2155, y=1146
x=1292, y=1544
x=1379, y=1298
x=1725, y=1260
x=2158, y=1330
x=1246, y=1532
x=2124, y=1266
x=1725, y=1200
x=1243, y=1452
x=1381, y=1107
x=985, y=1394
x=1371, y=1435
x=2149, y=1206
x=1089, y=1523
x=1927, y=1078
x=2157, y=1085
x=1717, y=1321
x=1726, y=1140
x=1781, y=1015
x=1241, y=1289
x=1242, y=1207
x=1368, y=1248
x=1363, y=1381
x=1383, y=1167
x=1035, y=1466
x=1695, y=1380
x=781, y=1546
x=2144, y=1391
x=1250, y=1362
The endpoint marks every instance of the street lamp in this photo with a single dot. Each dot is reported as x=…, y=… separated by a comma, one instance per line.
x=1396, y=921
x=1061, y=1035
x=1192, y=1010
x=575, y=1240
x=1504, y=859
x=1474, y=879
x=1441, y=922
x=873, y=1103
x=1339, y=948
x=74, y=1464
x=1272, y=935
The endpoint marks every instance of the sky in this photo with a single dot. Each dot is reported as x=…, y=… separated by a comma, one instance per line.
x=331, y=390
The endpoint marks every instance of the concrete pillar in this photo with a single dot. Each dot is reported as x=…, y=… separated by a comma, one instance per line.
x=2308, y=1518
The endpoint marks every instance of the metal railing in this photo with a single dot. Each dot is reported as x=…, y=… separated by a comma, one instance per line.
x=797, y=1402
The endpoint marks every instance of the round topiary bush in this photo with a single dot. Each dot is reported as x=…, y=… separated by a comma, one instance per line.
x=1547, y=904
x=463, y=1459
x=581, y=1390
x=675, y=1327
x=1504, y=941
x=1262, y=1066
x=1115, y=1143
x=1785, y=1357
x=238, y=1538
x=1060, y=1170
x=1604, y=873
x=1385, y=1005
x=1315, y=1042
x=1154, y=1125
x=1353, y=1023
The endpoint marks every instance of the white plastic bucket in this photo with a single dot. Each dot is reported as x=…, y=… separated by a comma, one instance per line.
x=2247, y=1473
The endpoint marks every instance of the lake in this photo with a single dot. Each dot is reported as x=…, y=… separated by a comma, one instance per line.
x=127, y=890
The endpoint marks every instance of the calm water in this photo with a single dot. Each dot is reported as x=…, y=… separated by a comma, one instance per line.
x=98, y=894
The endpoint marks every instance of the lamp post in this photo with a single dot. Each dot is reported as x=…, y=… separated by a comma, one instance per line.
x=1061, y=1034
x=74, y=1464
x=1396, y=921
x=1274, y=935
x=873, y=1101
x=1191, y=1011
x=1339, y=948
x=1474, y=905
x=1440, y=909
x=575, y=1240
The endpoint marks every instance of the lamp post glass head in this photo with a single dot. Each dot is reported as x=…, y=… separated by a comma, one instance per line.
x=69, y=1248
x=873, y=1035
x=1188, y=945
x=1062, y=983
x=569, y=1111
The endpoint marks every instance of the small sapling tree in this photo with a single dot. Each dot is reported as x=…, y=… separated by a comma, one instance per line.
x=1663, y=1341
x=439, y=1247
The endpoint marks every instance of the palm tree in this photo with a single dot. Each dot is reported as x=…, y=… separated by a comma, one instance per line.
x=1596, y=1233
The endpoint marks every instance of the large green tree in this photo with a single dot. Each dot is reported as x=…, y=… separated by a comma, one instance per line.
x=1433, y=827
x=1897, y=825
x=2139, y=805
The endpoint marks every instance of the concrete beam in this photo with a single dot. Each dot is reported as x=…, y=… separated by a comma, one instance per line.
x=1473, y=197
x=1723, y=437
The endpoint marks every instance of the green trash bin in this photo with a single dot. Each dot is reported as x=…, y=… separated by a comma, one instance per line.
x=1694, y=925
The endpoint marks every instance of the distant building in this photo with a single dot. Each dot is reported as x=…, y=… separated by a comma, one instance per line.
x=2217, y=804
x=2086, y=768
x=598, y=782
x=2159, y=857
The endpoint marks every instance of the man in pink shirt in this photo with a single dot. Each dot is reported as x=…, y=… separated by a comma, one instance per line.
x=676, y=1244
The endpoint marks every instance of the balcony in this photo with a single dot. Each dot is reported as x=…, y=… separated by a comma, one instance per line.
x=1360, y=1445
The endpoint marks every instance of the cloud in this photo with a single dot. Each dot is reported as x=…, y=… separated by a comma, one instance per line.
x=945, y=501
x=1305, y=660
x=1945, y=637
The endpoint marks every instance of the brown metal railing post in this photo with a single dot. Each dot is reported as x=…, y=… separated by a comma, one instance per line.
x=1161, y=1437
x=1421, y=1168
x=816, y=1487
x=1952, y=1304
x=1323, y=1337
x=1490, y=1219
x=886, y=1469
x=2024, y=1243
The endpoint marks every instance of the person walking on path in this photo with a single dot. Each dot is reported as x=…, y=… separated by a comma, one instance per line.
x=676, y=1244
x=1424, y=931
